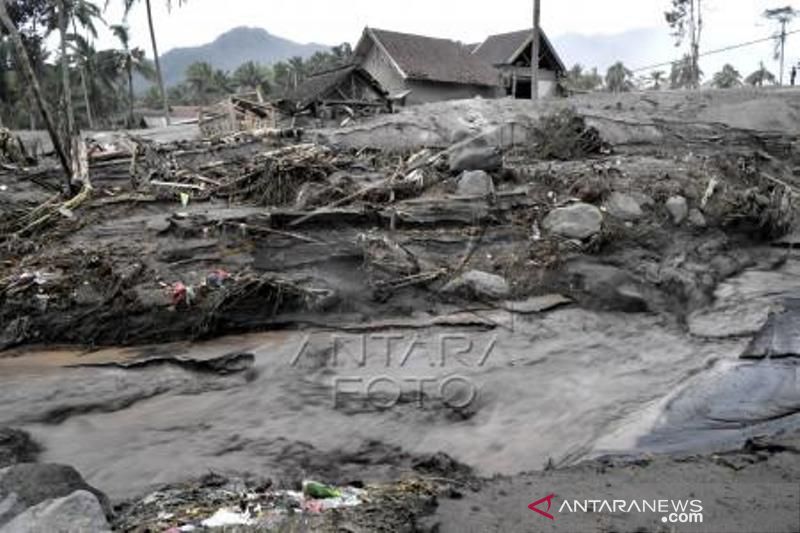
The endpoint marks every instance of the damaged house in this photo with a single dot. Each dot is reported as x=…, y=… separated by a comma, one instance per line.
x=340, y=93
x=425, y=69
x=510, y=54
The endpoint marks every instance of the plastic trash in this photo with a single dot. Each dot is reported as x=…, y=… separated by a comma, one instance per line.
x=319, y=491
x=217, y=278
x=228, y=517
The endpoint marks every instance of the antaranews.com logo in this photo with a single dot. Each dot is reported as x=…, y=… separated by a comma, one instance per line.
x=671, y=511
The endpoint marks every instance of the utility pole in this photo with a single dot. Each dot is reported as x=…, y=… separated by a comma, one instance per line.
x=783, y=15
x=535, y=52
x=784, y=21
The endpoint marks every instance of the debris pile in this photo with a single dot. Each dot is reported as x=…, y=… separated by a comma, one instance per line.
x=12, y=152
x=238, y=113
x=218, y=503
x=233, y=235
x=564, y=135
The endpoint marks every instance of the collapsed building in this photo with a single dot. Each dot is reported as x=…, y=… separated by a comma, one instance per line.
x=338, y=94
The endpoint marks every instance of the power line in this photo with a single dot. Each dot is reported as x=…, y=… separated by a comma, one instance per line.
x=718, y=51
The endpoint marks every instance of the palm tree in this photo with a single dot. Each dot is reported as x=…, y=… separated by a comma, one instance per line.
x=727, y=78
x=200, y=78
x=131, y=61
x=159, y=76
x=254, y=77
x=85, y=55
x=658, y=77
x=297, y=68
x=760, y=77
x=282, y=76
x=25, y=65
x=683, y=73
x=618, y=78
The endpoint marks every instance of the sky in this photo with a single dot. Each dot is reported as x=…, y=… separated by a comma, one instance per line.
x=335, y=21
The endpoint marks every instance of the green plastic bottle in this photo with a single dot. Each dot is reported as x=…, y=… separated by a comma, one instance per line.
x=319, y=491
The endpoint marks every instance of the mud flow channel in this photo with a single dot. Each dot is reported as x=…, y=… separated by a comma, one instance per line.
x=531, y=390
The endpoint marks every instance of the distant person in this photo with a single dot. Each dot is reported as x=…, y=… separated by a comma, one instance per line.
x=794, y=75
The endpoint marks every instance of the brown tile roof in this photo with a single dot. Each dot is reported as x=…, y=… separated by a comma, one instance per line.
x=318, y=85
x=500, y=49
x=431, y=59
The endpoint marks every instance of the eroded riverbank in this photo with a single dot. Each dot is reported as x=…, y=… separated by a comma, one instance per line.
x=630, y=300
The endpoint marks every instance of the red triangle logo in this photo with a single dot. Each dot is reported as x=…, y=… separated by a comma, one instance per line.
x=535, y=506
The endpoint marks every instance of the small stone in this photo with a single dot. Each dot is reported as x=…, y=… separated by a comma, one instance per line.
x=475, y=183
x=578, y=221
x=159, y=224
x=478, y=284
x=623, y=207
x=480, y=158
x=16, y=447
x=678, y=208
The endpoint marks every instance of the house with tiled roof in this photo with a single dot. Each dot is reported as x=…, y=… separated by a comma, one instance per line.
x=425, y=69
x=422, y=69
x=510, y=53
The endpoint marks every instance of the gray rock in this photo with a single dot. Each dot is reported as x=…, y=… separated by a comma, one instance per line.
x=80, y=512
x=479, y=158
x=678, y=208
x=16, y=447
x=578, y=221
x=644, y=200
x=478, y=284
x=159, y=224
x=537, y=304
x=780, y=336
x=610, y=287
x=26, y=485
x=624, y=207
x=475, y=183
x=697, y=219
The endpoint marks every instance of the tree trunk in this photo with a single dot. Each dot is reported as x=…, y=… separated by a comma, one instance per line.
x=24, y=63
x=159, y=76
x=535, y=52
x=86, y=101
x=131, y=118
x=66, y=85
x=783, y=49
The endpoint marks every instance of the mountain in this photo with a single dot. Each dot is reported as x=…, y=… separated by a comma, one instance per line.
x=635, y=48
x=233, y=48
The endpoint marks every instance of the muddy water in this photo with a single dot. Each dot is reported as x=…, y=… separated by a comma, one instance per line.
x=556, y=387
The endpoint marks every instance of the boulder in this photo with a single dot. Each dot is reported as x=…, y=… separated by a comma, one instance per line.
x=780, y=336
x=578, y=221
x=27, y=485
x=623, y=207
x=478, y=284
x=485, y=158
x=78, y=512
x=475, y=183
x=16, y=447
x=697, y=219
x=678, y=208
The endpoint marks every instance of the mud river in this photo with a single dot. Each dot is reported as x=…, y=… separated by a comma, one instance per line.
x=528, y=391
